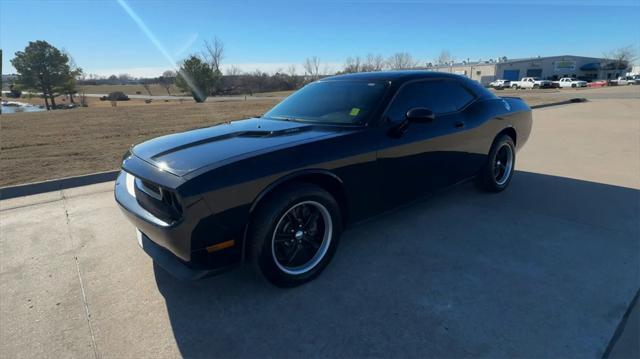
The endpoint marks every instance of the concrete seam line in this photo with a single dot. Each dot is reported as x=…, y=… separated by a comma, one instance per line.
x=84, y=295
x=621, y=326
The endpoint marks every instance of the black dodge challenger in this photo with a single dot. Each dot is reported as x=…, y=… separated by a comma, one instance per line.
x=279, y=189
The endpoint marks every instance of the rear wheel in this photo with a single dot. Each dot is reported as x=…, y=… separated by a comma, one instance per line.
x=498, y=171
x=295, y=234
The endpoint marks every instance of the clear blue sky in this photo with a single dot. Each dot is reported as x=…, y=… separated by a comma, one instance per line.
x=102, y=37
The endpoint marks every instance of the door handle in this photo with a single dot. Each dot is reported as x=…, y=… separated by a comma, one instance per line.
x=459, y=124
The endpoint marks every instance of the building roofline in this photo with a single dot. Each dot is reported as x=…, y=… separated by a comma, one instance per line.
x=510, y=61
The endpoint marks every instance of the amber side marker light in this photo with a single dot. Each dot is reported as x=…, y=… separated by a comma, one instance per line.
x=221, y=245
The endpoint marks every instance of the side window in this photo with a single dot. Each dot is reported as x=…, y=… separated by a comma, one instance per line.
x=440, y=96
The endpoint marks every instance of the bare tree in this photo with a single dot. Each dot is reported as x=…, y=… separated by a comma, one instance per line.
x=621, y=57
x=373, y=63
x=214, y=53
x=353, y=64
x=401, y=61
x=125, y=79
x=291, y=70
x=167, y=79
x=444, y=58
x=293, y=79
x=147, y=88
x=327, y=69
x=83, y=98
x=311, y=67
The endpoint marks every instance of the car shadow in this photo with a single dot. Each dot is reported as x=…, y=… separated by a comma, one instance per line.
x=545, y=268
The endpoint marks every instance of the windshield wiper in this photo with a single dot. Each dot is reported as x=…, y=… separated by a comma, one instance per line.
x=287, y=118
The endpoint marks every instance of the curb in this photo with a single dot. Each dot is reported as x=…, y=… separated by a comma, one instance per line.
x=56, y=184
x=94, y=178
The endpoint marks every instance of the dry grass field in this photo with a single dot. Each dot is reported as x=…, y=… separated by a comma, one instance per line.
x=47, y=145
x=39, y=146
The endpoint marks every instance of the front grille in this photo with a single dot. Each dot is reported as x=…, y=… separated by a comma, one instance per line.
x=158, y=201
x=149, y=188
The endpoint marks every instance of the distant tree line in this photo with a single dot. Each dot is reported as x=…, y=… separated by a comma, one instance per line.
x=52, y=72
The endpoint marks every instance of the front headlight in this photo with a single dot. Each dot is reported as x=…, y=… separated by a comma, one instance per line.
x=130, y=182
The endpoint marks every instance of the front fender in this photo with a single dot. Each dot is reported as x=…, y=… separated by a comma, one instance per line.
x=292, y=177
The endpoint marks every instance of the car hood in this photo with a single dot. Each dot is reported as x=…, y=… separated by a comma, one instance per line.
x=185, y=152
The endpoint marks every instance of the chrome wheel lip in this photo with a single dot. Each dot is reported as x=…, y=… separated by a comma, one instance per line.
x=322, y=250
x=508, y=168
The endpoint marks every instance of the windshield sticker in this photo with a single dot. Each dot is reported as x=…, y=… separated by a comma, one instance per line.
x=354, y=111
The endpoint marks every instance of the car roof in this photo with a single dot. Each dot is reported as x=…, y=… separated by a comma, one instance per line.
x=395, y=76
x=399, y=77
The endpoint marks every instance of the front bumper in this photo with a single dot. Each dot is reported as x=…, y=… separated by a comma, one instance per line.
x=175, y=237
x=170, y=263
x=170, y=244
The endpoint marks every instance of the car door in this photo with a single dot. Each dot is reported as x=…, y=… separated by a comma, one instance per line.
x=426, y=156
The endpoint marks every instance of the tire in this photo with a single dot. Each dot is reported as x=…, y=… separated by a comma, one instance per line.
x=289, y=259
x=495, y=179
x=536, y=86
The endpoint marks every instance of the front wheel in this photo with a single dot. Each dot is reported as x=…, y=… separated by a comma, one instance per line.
x=498, y=171
x=295, y=234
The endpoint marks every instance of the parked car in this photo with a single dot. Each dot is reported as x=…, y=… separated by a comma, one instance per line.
x=622, y=81
x=597, y=83
x=570, y=82
x=531, y=83
x=278, y=190
x=500, y=84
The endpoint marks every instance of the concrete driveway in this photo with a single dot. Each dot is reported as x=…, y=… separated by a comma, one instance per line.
x=545, y=269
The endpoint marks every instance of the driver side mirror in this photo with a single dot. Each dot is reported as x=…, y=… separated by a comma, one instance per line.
x=420, y=115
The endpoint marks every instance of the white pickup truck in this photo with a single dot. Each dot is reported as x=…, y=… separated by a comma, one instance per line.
x=623, y=81
x=531, y=83
x=500, y=84
x=570, y=82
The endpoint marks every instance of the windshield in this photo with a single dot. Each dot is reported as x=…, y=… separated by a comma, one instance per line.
x=332, y=102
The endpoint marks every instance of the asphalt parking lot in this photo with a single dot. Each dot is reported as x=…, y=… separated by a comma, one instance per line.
x=547, y=268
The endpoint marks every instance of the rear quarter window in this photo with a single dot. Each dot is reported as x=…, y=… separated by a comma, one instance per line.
x=440, y=96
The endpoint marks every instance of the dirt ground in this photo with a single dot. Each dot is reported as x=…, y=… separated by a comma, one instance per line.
x=39, y=146
x=46, y=145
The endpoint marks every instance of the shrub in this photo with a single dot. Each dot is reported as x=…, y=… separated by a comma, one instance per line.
x=117, y=96
x=14, y=91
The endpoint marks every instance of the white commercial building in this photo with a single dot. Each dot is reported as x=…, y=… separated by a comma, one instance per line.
x=550, y=68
